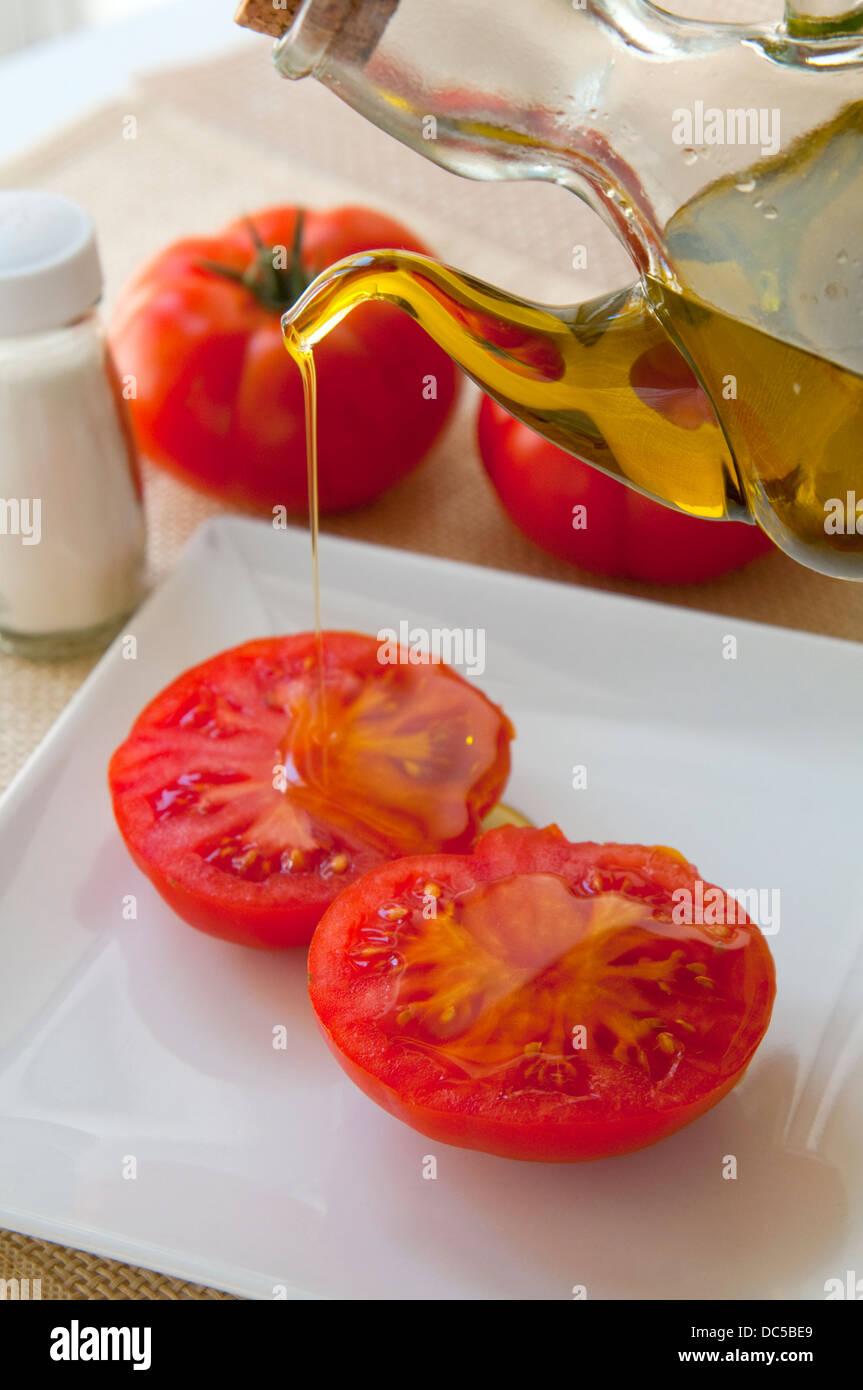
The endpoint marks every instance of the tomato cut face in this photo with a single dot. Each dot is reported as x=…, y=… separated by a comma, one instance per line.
x=259, y=784
x=540, y=999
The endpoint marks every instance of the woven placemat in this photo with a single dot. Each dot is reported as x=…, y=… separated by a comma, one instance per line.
x=227, y=137
x=61, y=1273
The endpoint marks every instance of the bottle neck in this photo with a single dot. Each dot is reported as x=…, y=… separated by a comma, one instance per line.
x=344, y=32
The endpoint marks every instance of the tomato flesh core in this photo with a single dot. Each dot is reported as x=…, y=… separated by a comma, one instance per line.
x=540, y=999
x=259, y=784
x=393, y=755
x=515, y=975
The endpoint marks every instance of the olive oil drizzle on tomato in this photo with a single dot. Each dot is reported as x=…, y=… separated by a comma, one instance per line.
x=502, y=814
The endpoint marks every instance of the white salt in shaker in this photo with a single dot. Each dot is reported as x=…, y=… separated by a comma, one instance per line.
x=72, y=541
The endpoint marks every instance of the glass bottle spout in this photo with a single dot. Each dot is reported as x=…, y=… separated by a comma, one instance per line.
x=603, y=380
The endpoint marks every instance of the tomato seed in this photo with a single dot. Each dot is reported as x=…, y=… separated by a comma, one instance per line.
x=392, y=912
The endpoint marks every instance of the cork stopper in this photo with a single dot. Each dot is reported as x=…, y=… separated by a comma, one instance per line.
x=353, y=28
x=265, y=17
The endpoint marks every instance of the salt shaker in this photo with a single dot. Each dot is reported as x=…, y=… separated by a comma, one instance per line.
x=72, y=539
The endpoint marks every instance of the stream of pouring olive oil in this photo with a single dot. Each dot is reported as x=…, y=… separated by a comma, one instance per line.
x=304, y=357
x=305, y=360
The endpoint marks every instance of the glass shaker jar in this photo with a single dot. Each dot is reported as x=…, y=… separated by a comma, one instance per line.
x=72, y=538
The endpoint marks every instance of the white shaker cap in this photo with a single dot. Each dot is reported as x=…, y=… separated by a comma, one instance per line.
x=49, y=262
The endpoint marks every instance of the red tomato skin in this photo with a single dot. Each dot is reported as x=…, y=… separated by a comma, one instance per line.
x=237, y=912
x=627, y=536
x=219, y=403
x=523, y=1136
x=265, y=927
x=528, y=1142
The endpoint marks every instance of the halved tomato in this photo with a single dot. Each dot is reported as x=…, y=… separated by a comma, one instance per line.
x=259, y=784
x=538, y=999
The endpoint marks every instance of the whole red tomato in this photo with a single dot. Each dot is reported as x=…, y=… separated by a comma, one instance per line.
x=626, y=536
x=219, y=402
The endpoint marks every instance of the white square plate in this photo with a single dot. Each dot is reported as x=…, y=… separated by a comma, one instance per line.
x=263, y=1171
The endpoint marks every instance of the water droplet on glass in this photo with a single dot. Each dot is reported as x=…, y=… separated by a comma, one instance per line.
x=770, y=213
x=842, y=257
x=832, y=291
x=689, y=155
x=745, y=186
